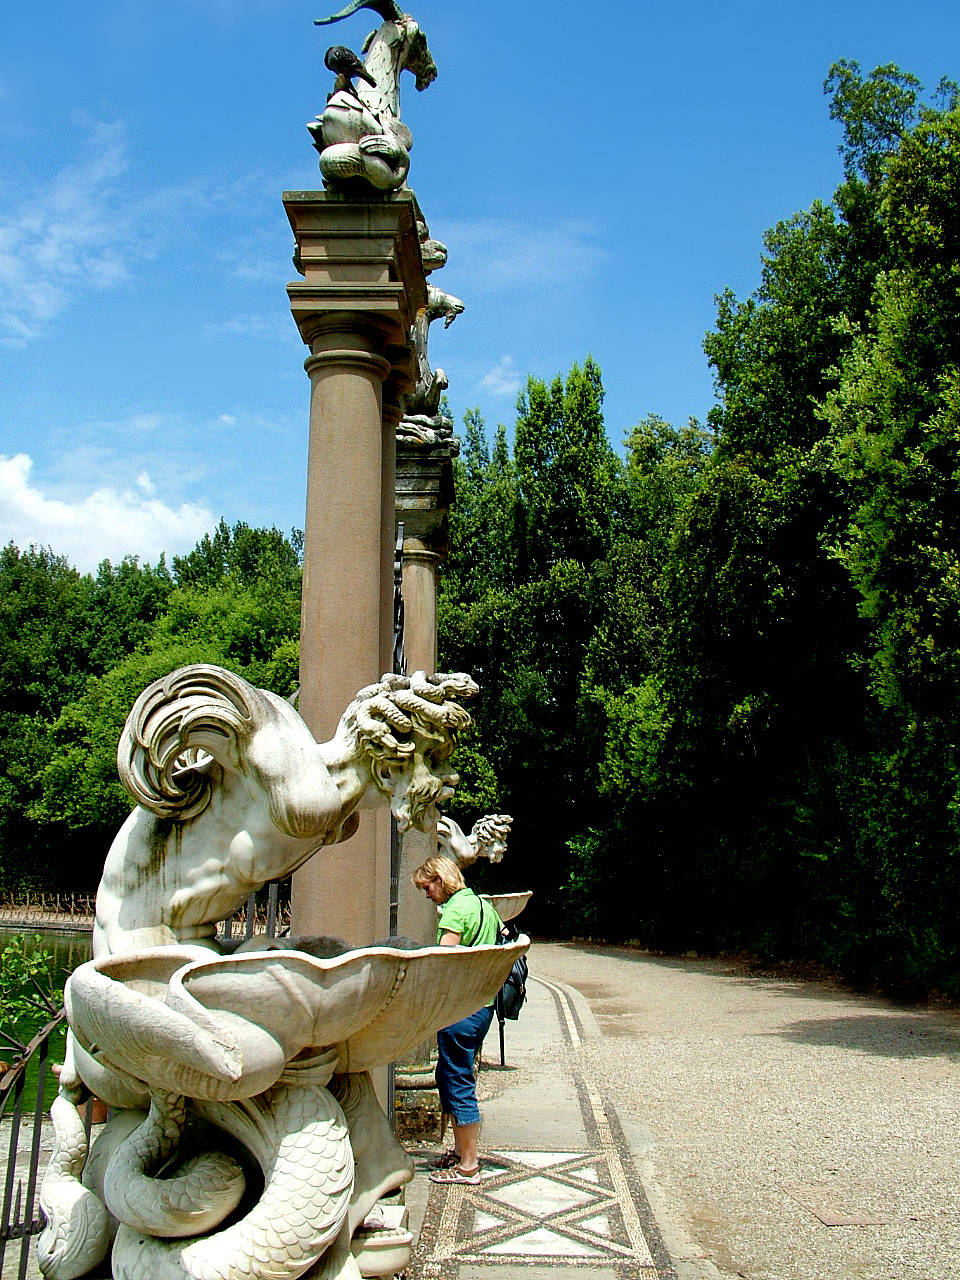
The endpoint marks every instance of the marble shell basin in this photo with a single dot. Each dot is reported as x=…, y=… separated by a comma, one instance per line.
x=226, y=1027
x=508, y=905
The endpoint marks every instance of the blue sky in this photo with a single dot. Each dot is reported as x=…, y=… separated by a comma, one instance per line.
x=598, y=173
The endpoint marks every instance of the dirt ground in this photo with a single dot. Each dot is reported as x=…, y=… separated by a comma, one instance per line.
x=793, y=1130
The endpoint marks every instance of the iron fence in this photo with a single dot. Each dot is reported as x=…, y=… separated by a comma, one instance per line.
x=267, y=919
x=36, y=909
x=26, y=1085
x=21, y=1217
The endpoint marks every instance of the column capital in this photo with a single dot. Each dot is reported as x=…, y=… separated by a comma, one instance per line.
x=360, y=261
x=424, y=493
x=415, y=551
x=349, y=358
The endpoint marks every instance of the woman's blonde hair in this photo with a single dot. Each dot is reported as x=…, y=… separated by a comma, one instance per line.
x=443, y=869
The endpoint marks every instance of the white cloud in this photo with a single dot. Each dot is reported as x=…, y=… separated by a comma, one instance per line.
x=503, y=379
x=63, y=238
x=75, y=231
x=497, y=255
x=143, y=423
x=104, y=523
x=271, y=328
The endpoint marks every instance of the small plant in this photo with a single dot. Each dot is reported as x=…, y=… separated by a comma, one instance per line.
x=28, y=992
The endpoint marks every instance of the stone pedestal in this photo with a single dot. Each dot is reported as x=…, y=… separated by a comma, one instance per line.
x=363, y=283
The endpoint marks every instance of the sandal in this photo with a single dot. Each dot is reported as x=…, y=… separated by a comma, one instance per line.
x=446, y=1160
x=456, y=1174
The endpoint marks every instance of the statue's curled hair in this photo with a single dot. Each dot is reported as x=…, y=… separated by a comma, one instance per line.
x=176, y=729
x=384, y=717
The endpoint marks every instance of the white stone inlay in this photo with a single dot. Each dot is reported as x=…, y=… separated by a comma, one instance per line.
x=540, y=1159
x=588, y=1175
x=600, y=1226
x=540, y=1196
x=485, y=1221
x=545, y=1243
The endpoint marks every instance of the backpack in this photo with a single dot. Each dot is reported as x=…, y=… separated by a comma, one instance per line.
x=513, y=993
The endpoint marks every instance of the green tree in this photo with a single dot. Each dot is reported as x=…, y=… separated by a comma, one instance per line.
x=242, y=554
x=780, y=753
x=43, y=623
x=76, y=651
x=530, y=533
x=566, y=471
x=894, y=419
x=125, y=601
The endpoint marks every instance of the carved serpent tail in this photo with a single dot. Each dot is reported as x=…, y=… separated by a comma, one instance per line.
x=299, y=1136
x=205, y=1189
x=389, y=10
x=77, y=1234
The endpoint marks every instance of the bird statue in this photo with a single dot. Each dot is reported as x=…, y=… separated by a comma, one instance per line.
x=389, y=10
x=345, y=63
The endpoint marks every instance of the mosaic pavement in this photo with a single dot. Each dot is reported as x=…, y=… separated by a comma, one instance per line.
x=554, y=1209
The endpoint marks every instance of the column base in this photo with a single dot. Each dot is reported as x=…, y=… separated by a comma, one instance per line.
x=416, y=1108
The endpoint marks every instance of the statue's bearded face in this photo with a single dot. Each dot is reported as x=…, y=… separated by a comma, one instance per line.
x=425, y=778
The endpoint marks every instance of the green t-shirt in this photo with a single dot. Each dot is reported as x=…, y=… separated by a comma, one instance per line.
x=461, y=914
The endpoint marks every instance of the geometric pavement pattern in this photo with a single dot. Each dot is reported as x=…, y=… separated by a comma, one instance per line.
x=565, y=1208
x=560, y=1207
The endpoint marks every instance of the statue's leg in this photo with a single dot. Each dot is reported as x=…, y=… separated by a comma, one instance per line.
x=384, y=1244
x=382, y=1164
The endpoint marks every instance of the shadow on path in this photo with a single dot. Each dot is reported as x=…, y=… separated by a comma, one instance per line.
x=886, y=1035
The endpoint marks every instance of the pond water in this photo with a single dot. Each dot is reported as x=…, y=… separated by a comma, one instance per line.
x=67, y=948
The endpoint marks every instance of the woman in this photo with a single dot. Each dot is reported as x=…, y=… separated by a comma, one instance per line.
x=465, y=921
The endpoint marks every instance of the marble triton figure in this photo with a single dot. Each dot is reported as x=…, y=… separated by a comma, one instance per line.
x=248, y=1143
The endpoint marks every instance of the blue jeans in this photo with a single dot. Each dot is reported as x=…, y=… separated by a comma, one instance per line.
x=456, y=1046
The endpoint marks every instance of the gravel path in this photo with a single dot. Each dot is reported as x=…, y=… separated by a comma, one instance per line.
x=790, y=1130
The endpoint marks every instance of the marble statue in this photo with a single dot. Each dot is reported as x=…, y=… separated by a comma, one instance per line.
x=432, y=252
x=360, y=135
x=423, y=422
x=248, y=1141
x=487, y=839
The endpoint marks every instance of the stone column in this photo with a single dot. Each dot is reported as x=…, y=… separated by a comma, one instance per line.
x=424, y=494
x=416, y=914
x=363, y=282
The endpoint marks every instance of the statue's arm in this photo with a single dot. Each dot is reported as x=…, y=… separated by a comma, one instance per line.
x=453, y=844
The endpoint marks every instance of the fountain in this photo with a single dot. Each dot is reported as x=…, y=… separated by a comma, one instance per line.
x=245, y=1077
